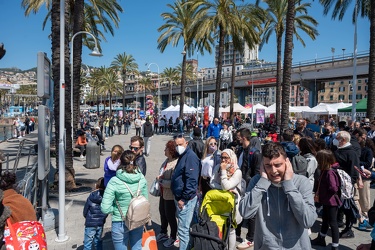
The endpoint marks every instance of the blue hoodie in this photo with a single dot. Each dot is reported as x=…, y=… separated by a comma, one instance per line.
x=290, y=148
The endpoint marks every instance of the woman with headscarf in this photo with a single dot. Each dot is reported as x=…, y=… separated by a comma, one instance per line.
x=226, y=177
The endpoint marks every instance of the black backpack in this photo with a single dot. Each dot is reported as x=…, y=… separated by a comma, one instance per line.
x=205, y=235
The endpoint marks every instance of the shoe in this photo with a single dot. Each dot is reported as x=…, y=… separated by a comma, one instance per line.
x=176, y=243
x=82, y=157
x=319, y=241
x=19, y=137
x=340, y=224
x=363, y=226
x=346, y=234
x=245, y=244
x=168, y=243
x=239, y=239
x=161, y=237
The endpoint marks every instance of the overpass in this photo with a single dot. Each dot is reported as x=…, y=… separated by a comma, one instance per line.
x=310, y=74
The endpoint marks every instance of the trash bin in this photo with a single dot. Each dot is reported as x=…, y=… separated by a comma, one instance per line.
x=92, y=155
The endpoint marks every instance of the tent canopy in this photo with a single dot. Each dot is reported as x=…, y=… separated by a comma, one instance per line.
x=361, y=106
x=236, y=108
x=254, y=108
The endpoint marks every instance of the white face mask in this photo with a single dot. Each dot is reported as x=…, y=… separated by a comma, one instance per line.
x=180, y=150
x=335, y=142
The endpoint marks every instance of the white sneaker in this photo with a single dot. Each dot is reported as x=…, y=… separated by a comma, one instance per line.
x=82, y=157
x=245, y=244
x=168, y=243
x=177, y=243
x=19, y=137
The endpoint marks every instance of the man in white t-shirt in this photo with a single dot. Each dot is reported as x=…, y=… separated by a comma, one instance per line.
x=138, y=125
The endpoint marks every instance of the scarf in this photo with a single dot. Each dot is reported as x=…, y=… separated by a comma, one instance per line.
x=113, y=165
x=233, y=160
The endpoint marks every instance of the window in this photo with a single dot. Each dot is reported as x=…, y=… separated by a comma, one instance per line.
x=209, y=71
x=321, y=98
x=359, y=96
x=366, y=87
x=366, y=80
x=292, y=88
x=292, y=99
x=227, y=69
x=359, y=81
x=341, y=89
x=350, y=97
x=331, y=83
x=213, y=71
x=301, y=99
x=323, y=91
x=342, y=82
x=292, y=93
x=331, y=97
x=359, y=87
x=331, y=90
x=341, y=97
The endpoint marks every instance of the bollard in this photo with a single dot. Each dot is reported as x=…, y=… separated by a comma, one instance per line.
x=92, y=155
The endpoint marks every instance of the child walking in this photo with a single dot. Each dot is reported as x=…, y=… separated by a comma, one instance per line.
x=95, y=219
x=327, y=195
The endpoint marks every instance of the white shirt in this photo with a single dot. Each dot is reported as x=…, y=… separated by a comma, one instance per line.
x=207, y=166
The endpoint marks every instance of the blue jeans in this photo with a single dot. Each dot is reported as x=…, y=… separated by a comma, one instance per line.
x=106, y=131
x=185, y=217
x=93, y=235
x=121, y=236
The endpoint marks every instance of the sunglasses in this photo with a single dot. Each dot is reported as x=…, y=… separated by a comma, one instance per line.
x=178, y=136
x=213, y=144
x=134, y=148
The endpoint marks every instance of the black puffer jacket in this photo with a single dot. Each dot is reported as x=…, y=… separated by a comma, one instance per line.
x=91, y=211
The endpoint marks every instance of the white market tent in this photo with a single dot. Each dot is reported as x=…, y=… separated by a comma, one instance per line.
x=295, y=109
x=254, y=109
x=326, y=108
x=186, y=109
x=169, y=108
x=237, y=108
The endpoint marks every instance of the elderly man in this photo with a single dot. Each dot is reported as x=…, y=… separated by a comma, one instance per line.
x=282, y=202
x=347, y=158
x=184, y=187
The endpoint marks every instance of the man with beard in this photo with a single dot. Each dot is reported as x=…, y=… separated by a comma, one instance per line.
x=302, y=130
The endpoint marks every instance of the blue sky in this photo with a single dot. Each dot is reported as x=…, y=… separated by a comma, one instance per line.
x=137, y=35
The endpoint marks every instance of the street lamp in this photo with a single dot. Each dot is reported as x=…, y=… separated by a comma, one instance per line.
x=227, y=91
x=189, y=95
x=95, y=52
x=158, y=84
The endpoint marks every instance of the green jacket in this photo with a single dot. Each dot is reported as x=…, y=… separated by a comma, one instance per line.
x=116, y=190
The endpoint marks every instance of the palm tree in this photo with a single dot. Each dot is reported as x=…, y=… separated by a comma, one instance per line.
x=108, y=83
x=95, y=16
x=172, y=75
x=221, y=19
x=183, y=24
x=288, y=52
x=124, y=63
x=366, y=8
x=275, y=23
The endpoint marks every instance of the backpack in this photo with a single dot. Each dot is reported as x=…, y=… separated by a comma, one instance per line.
x=111, y=123
x=346, y=186
x=300, y=164
x=206, y=236
x=138, y=211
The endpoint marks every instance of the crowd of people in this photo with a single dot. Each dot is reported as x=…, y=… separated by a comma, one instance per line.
x=281, y=180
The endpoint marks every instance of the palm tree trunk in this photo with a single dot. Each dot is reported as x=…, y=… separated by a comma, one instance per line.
x=371, y=71
x=232, y=81
x=219, y=69
x=170, y=93
x=288, y=51
x=110, y=104
x=123, y=93
x=278, y=79
x=183, y=80
x=55, y=30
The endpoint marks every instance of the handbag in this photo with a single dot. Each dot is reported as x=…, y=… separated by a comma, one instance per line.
x=25, y=235
x=155, y=188
x=316, y=196
x=149, y=240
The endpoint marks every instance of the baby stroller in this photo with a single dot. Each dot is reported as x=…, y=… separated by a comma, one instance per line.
x=217, y=215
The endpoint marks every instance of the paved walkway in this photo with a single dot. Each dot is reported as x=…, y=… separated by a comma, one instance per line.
x=74, y=221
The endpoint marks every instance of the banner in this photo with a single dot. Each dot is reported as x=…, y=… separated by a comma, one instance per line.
x=260, y=114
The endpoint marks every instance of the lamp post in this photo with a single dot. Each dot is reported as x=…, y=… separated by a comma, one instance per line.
x=343, y=53
x=62, y=236
x=189, y=95
x=158, y=85
x=95, y=52
x=227, y=91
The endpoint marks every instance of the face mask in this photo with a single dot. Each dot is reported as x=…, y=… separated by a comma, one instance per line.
x=335, y=142
x=212, y=149
x=180, y=150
